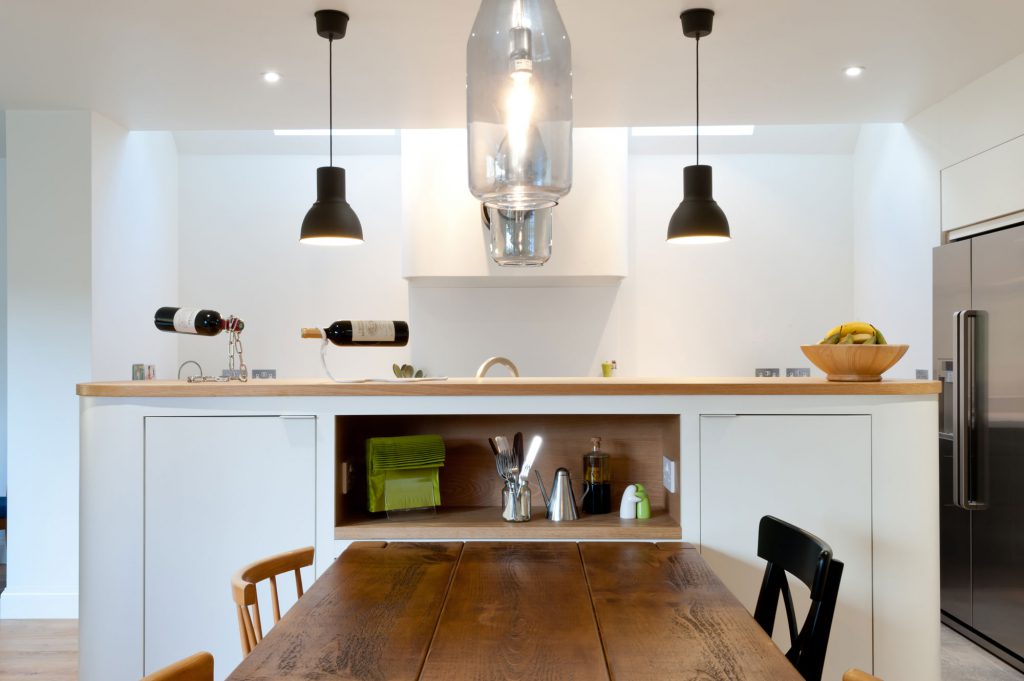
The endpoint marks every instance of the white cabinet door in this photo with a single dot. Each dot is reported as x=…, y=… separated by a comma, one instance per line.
x=984, y=187
x=220, y=492
x=813, y=471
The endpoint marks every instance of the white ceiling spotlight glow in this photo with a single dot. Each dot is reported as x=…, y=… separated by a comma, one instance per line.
x=853, y=71
x=691, y=131
x=271, y=77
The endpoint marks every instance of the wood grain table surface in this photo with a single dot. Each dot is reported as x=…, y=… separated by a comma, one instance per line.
x=538, y=611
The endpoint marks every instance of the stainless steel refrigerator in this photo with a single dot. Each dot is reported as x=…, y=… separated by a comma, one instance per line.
x=979, y=356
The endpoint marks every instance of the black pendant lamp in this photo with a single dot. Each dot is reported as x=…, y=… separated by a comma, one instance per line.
x=331, y=220
x=698, y=219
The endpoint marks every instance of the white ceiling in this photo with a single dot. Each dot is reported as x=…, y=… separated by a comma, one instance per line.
x=196, y=64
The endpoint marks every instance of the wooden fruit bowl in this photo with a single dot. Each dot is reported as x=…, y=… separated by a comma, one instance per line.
x=854, y=362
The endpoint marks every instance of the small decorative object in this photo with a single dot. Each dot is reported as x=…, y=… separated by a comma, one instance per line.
x=206, y=323
x=643, y=504
x=698, y=219
x=406, y=371
x=627, y=508
x=138, y=372
x=609, y=368
x=150, y=372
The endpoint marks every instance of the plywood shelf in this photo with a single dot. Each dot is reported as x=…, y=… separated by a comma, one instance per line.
x=484, y=522
x=471, y=489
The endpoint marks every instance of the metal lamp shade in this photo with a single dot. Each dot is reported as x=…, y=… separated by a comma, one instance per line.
x=698, y=219
x=331, y=220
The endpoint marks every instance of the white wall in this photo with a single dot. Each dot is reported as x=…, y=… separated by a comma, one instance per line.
x=135, y=249
x=682, y=310
x=3, y=316
x=49, y=350
x=545, y=331
x=896, y=218
x=724, y=309
x=239, y=253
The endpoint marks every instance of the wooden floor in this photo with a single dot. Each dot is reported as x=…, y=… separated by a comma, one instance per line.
x=38, y=650
x=47, y=650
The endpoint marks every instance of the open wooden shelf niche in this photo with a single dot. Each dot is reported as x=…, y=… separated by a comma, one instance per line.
x=471, y=489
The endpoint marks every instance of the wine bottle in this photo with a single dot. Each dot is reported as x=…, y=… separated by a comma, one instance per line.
x=192, y=320
x=363, y=333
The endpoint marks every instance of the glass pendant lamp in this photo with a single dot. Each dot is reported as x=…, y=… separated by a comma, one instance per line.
x=519, y=110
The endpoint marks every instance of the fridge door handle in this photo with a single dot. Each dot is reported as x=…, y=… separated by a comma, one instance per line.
x=965, y=412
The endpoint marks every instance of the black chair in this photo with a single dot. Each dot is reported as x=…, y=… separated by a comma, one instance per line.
x=787, y=548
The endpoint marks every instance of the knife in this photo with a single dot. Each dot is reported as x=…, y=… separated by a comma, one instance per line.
x=535, y=444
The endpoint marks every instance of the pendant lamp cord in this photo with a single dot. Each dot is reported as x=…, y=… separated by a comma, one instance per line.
x=697, y=129
x=330, y=97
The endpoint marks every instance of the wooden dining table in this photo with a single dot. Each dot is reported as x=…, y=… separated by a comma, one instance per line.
x=539, y=611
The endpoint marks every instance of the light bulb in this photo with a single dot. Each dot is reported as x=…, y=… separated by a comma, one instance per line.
x=519, y=113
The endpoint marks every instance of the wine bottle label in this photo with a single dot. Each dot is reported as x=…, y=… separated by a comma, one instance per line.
x=375, y=331
x=185, y=319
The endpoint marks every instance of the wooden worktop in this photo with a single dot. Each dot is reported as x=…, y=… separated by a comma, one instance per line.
x=508, y=386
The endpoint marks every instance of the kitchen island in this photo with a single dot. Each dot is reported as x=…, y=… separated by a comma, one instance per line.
x=181, y=484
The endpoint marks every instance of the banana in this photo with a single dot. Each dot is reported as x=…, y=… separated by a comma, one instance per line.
x=832, y=339
x=862, y=333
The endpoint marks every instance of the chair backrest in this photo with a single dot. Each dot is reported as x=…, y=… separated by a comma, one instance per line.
x=198, y=667
x=243, y=591
x=858, y=675
x=787, y=548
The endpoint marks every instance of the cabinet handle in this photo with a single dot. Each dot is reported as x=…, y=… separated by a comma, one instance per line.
x=965, y=413
x=719, y=416
x=297, y=416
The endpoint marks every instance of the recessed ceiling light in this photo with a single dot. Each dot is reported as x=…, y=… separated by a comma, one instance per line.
x=271, y=77
x=853, y=71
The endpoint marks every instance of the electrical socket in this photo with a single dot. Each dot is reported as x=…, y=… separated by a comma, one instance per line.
x=264, y=373
x=766, y=373
x=668, y=474
x=798, y=372
x=921, y=374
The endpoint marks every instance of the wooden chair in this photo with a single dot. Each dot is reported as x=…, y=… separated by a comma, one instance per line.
x=858, y=675
x=243, y=591
x=198, y=667
x=788, y=549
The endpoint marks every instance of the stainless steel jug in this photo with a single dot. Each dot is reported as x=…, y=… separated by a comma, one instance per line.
x=561, y=502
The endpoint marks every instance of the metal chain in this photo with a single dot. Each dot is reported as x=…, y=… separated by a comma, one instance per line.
x=235, y=350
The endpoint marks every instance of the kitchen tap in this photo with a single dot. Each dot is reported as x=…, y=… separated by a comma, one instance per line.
x=482, y=371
